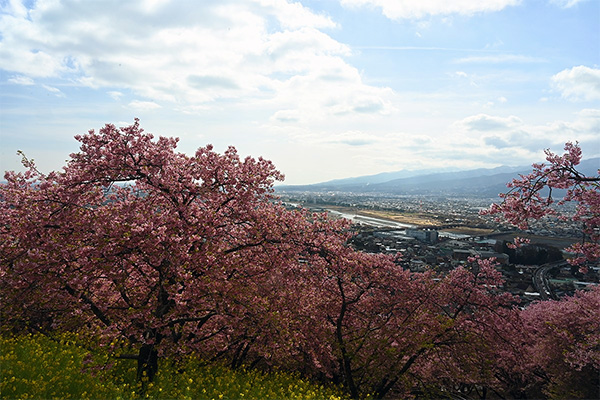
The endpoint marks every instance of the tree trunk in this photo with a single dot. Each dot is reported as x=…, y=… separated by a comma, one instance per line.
x=147, y=362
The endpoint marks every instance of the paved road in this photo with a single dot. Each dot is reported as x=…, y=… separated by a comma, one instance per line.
x=540, y=280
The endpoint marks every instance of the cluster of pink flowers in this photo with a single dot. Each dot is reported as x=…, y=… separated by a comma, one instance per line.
x=531, y=197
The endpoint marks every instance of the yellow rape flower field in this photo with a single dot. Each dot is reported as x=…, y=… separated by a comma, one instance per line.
x=38, y=367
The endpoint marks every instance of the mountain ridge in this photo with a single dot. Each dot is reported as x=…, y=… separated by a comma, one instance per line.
x=478, y=182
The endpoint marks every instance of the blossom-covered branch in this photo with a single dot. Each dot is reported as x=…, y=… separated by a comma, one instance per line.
x=531, y=197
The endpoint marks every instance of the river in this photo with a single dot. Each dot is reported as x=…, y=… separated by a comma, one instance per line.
x=385, y=223
x=377, y=222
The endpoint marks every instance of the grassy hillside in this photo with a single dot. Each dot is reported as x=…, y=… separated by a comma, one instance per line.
x=37, y=367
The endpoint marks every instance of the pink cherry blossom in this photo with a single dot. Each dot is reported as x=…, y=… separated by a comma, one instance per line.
x=525, y=201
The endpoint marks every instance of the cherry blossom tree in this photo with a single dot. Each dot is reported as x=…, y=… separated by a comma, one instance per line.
x=380, y=327
x=564, y=348
x=135, y=241
x=531, y=197
x=550, y=349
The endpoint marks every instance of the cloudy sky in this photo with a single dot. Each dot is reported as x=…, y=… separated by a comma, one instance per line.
x=324, y=88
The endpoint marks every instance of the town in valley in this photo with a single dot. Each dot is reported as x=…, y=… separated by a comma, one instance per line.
x=441, y=233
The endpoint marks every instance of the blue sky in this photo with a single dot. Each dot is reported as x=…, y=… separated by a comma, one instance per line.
x=325, y=89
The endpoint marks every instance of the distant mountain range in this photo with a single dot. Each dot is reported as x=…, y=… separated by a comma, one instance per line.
x=481, y=182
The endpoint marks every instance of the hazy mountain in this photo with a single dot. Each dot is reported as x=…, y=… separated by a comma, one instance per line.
x=378, y=178
x=476, y=182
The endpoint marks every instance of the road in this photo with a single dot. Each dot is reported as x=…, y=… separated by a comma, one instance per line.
x=540, y=280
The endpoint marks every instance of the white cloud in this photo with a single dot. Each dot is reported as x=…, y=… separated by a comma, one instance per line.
x=484, y=122
x=286, y=116
x=566, y=3
x=490, y=104
x=54, y=90
x=115, y=95
x=153, y=5
x=187, y=55
x=481, y=140
x=295, y=15
x=587, y=126
x=489, y=134
x=143, y=105
x=334, y=90
x=21, y=80
x=495, y=45
x=395, y=9
x=499, y=59
x=15, y=7
x=273, y=78
x=352, y=138
x=578, y=83
x=265, y=54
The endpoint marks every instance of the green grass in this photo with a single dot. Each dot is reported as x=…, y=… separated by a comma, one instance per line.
x=35, y=366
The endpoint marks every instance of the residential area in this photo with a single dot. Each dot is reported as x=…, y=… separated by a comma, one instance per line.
x=451, y=231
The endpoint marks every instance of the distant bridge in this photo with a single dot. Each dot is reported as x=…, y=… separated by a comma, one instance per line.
x=450, y=226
